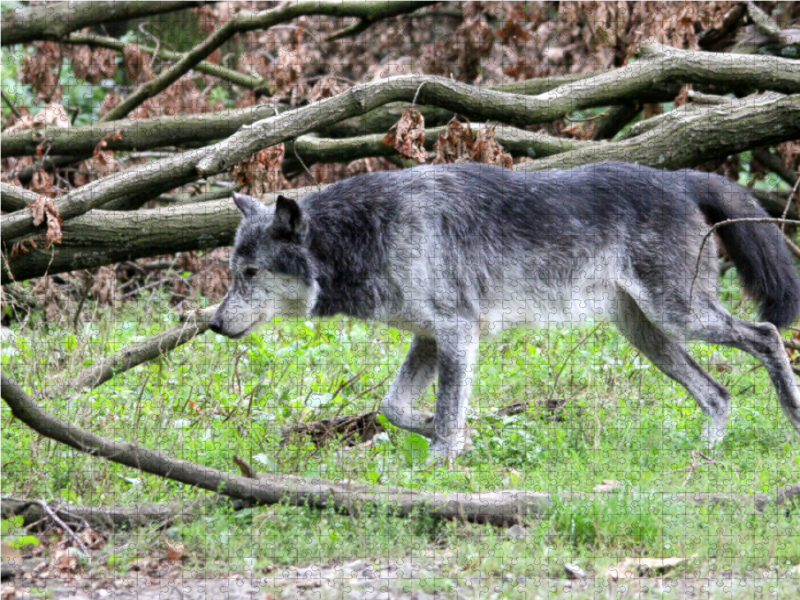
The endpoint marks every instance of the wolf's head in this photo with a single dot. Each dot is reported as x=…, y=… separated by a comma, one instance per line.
x=271, y=270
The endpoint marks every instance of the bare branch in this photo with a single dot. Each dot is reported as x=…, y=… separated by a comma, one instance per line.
x=98, y=41
x=499, y=507
x=704, y=135
x=102, y=237
x=246, y=21
x=135, y=354
x=13, y=198
x=517, y=142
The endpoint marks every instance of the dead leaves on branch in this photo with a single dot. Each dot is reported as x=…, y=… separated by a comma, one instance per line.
x=44, y=210
x=40, y=69
x=52, y=114
x=138, y=64
x=260, y=173
x=93, y=65
x=407, y=136
x=460, y=144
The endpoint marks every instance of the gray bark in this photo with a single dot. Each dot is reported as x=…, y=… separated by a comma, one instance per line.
x=704, y=135
x=55, y=20
x=101, y=237
x=13, y=198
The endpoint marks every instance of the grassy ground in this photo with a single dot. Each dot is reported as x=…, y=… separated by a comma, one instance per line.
x=215, y=398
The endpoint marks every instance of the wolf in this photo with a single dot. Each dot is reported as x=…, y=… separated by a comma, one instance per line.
x=457, y=252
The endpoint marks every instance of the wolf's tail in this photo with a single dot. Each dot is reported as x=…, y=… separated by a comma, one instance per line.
x=758, y=251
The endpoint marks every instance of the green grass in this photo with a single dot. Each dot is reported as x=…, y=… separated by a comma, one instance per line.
x=215, y=398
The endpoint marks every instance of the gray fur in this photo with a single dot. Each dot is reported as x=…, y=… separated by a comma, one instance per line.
x=458, y=252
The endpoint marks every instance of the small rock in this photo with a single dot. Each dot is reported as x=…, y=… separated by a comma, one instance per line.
x=574, y=571
x=355, y=566
x=517, y=532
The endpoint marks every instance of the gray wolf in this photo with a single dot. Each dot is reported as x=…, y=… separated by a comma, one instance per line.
x=458, y=252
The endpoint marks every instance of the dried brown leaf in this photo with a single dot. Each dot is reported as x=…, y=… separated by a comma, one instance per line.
x=93, y=540
x=487, y=150
x=407, y=136
x=683, y=97
x=65, y=559
x=44, y=210
x=41, y=182
x=455, y=145
x=138, y=64
x=325, y=88
x=175, y=550
x=93, y=65
x=40, y=69
x=260, y=173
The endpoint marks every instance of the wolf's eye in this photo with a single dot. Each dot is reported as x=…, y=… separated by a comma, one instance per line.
x=250, y=272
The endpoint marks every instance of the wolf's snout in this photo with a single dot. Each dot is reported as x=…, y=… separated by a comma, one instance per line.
x=215, y=324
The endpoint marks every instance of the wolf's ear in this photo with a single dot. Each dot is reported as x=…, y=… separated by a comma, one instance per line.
x=288, y=222
x=247, y=205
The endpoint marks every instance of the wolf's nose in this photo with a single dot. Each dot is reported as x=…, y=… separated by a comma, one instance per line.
x=215, y=324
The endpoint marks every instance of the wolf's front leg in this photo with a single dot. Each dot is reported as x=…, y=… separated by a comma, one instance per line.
x=458, y=348
x=416, y=374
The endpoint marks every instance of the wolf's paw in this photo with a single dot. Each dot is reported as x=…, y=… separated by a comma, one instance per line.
x=447, y=450
x=440, y=453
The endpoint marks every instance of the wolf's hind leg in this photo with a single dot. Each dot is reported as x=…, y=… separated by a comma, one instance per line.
x=675, y=362
x=415, y=376
x=760, y=340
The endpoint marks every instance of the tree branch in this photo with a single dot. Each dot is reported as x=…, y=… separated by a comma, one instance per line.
x=618, y=117
x=98, y=41
x=659, y=64
x=55, y=20
x=774, y=163
x=704, y=135
x=102, y=237
x=13, y=198
x=517, y=142
x=246, y=21
x=499, y=507
x=137, y=353
x=515, y=109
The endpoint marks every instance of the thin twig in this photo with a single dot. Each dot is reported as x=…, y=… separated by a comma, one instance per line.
x=67, y=529
x=789, y=202
x=569, y=355
x=414, y=101
x=730, y=222
x=310, y=174
x=10, y=105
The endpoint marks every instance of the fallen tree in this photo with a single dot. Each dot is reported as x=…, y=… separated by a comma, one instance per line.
x=502, y=508
x=145, y=134
x=345, y=127
x=657, y=65
x=103, y=237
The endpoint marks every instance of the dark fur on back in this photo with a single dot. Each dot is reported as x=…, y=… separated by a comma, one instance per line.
x=352, y=225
